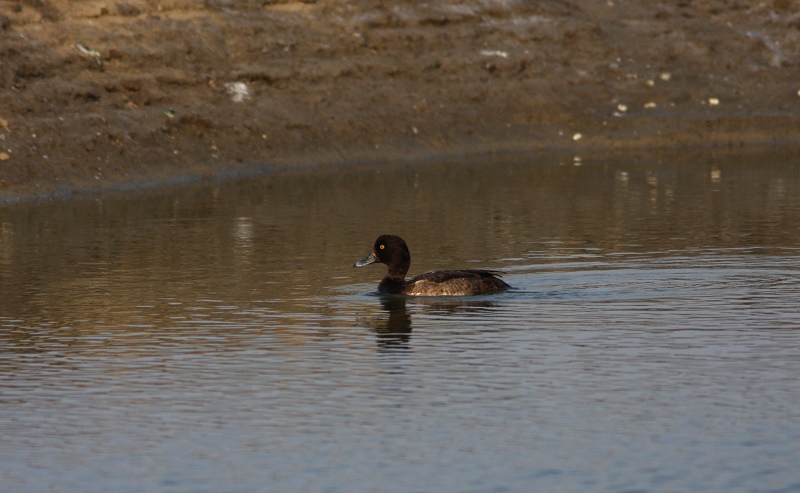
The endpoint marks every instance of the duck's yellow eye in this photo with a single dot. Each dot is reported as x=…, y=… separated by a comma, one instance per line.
x=382, y=247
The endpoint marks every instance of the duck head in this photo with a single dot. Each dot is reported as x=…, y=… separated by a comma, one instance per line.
x=392, y=251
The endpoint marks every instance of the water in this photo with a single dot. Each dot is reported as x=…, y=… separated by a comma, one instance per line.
x=216, y=338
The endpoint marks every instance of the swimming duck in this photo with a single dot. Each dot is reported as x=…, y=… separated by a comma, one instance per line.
x=393, y=251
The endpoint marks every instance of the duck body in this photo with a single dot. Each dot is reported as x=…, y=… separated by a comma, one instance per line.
x=393, y=251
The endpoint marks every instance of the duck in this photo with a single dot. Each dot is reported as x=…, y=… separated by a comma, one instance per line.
x=393, y=251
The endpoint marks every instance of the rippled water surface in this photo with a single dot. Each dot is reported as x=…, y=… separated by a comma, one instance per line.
x=217, y=339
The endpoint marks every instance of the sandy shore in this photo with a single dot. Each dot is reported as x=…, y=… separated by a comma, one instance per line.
x=103, y=95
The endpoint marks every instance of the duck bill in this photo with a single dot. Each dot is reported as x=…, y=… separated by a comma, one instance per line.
x=369, y=259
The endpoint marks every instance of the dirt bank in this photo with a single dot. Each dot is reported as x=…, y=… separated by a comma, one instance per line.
x=103, y=95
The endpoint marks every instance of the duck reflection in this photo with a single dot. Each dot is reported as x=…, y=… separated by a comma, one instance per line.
x=392, y=326
x=393, y=329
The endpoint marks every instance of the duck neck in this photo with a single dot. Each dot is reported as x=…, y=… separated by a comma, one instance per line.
x=398, y=272
x=392, y=285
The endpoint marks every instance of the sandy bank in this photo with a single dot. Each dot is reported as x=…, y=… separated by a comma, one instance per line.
x=99, y=95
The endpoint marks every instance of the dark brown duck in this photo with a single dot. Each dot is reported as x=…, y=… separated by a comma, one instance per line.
x=393, y=251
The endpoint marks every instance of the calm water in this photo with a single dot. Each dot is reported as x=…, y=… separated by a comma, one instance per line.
x=217, y=339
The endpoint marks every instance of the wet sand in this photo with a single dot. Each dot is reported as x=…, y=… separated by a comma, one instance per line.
x=101, y=95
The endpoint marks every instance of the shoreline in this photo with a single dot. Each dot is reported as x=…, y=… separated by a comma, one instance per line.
x=574, y=156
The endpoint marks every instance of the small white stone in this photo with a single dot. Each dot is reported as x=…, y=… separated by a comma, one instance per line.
x=501, y=54
x=713, y=102
x=238, y=91
x=577, y=136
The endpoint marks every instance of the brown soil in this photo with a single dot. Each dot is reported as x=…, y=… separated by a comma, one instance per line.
x=99, y=94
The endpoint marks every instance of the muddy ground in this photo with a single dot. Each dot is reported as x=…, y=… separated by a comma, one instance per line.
x=98, y=94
